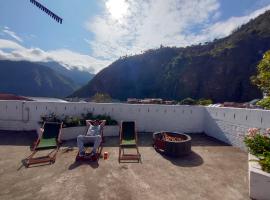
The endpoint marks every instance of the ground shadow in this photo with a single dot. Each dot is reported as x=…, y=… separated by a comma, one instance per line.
x=201, y=139
x=17, y=138
x=191, y=160
x=26, y=138
x=75, y=164
x=24, y=164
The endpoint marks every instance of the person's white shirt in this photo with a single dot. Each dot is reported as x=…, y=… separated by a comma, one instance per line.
x=93, y=130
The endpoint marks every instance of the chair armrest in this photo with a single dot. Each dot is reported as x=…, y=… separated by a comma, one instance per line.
x=60, y=134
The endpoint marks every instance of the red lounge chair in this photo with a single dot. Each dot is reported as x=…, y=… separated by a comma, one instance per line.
x=99, y=150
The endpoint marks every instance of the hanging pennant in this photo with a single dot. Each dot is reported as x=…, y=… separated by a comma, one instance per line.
x=47, y=11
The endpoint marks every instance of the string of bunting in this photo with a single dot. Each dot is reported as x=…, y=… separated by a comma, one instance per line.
x=47, y=11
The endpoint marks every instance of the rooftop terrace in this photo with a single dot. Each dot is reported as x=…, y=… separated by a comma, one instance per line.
x=214, y=170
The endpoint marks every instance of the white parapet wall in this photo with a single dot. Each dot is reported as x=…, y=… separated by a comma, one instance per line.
x=231, y=124
x=226, y=124
x=18, y=115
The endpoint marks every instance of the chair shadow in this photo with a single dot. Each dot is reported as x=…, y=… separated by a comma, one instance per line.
x=76, y=164
x=24, y=164
x=191, y=160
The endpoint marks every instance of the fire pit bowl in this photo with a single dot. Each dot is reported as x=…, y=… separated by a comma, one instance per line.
x=172, y=143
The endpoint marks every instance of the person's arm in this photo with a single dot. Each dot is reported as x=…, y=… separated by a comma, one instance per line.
x=88, y=122
x=103, y=123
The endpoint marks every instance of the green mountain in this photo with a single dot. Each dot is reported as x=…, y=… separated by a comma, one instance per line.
x=31, y=79
x=219, y=70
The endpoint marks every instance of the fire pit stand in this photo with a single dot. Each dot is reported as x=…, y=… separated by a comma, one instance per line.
x=172, y=143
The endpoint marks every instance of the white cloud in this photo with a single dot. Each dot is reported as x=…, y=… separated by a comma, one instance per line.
x=146, y=24
x=63, y=56
x=132, y=26
x=12, y=34
x=224, y=28
x=8, y=44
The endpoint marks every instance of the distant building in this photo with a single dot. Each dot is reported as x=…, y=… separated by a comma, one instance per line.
x=152, y=101
x=133, y=100
x=13, y=97
x=23, y=98
x=46, y=99
x=234, y=104
x=149, y=101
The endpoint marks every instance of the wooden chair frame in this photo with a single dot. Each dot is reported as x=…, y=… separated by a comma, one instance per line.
x=49, y=158
x=122, y=155
x=100, y=148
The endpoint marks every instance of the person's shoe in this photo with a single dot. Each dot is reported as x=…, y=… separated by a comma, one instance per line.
x=82, y=154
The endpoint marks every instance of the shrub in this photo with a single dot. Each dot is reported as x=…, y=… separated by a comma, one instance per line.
x=188, y=101
x=50, y=118
x=73, y=121
x=101, y=98
x=109, y=120
x=204, y=102
x=265, y=103
x=265, y=162
x=259, y=145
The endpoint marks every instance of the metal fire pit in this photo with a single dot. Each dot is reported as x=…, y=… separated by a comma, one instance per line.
x=181, y=146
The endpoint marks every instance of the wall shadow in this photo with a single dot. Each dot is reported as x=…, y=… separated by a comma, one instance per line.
x=26, y=138
x=213, y=130
x=17, y=138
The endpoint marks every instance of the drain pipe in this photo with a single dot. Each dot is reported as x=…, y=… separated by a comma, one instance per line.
x=28, y=113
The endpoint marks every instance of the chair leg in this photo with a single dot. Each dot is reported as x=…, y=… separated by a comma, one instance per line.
x=32, y=154
x=54, y=155
x=119, y=156
x=138, y=153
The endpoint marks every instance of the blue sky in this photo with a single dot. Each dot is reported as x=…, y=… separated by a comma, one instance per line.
x=94, y=33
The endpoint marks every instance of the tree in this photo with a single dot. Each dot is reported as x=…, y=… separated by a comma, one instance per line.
x=204, y=102
x=101, y=98
x=262, y=79
x=187, y=101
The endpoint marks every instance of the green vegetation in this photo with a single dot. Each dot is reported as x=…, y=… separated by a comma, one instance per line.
x=265, y=103
x=190, y=101
x=187, y=101
x=265, y=162
x=262, y=79
x=204, y=102
x=259, y=145
x=101, y=98
x=73, y=121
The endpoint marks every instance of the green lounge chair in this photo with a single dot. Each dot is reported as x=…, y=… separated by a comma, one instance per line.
x=48, y=139
x=128, y=139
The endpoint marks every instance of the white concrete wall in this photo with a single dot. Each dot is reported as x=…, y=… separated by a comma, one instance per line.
x=226, y=124
x=259, y=181
x=230, y=124
x=16, y=115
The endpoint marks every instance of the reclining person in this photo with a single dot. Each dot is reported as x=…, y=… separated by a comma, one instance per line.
x=93, y=135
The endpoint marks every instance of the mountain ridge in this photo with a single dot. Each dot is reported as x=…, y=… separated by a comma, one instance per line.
x=80, y=77
x=219, y=70
x=32, y=79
